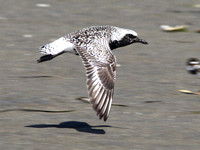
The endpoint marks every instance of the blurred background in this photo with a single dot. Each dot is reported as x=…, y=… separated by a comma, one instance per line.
x=38, y=102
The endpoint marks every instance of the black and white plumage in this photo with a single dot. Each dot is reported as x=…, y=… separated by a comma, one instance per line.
x=94, y=45
x=193, y=66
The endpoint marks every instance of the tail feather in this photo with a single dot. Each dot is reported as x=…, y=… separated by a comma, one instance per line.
x=55, y=49
x=45, y=58
x=48, y=57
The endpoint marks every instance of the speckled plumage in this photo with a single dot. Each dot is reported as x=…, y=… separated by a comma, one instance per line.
x=94, y=45
x=86, y=36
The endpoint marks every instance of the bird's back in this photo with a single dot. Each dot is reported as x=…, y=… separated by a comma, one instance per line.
x=88, y=35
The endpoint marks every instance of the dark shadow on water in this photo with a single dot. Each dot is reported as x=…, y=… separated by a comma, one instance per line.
x=37, y=110
x=36, y=76
x=79, y=126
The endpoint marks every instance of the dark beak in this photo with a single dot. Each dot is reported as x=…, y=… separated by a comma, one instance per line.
x=138, y=40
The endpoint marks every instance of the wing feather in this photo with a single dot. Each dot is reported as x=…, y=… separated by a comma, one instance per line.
x=100, y=65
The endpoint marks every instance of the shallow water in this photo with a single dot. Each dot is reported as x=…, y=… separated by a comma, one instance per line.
x=156, y=115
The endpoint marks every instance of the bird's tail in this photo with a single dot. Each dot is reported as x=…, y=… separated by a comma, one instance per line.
x=54, y=49
x=48, y=57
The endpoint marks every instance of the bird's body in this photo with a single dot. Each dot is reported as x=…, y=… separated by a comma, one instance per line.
x=94, y=45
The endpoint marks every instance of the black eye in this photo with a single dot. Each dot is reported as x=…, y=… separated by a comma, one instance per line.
x=131, y=36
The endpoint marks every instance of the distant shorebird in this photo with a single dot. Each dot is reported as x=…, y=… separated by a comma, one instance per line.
x=94, y=45
x=193, y=66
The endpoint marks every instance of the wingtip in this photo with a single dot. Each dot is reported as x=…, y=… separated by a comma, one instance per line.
x=102, y=116
x=105, y=118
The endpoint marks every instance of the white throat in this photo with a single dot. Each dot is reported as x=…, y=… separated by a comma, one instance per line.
x=120, y=33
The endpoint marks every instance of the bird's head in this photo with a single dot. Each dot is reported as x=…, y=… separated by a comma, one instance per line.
x=122, y=37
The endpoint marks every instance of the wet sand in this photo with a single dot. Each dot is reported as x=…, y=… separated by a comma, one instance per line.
x=38, y=106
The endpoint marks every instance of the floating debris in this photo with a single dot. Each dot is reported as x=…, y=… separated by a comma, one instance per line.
x=43, y=5
x=118, y=65
x=27, y=35
x=186, y=92
x=196, y=5
x=177, y=28
x=83, y=99
x=197, y=31
x=189, y=92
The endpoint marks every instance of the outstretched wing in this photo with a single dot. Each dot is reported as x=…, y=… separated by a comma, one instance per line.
x=100, y=65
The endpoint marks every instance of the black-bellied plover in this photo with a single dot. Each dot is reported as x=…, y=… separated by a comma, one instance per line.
x=94, y=45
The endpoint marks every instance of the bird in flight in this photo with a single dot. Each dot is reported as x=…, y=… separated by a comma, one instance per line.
x=94, y=45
